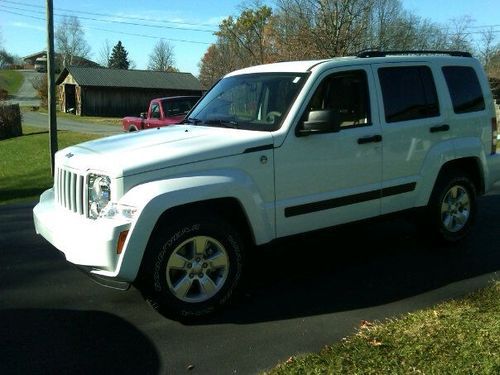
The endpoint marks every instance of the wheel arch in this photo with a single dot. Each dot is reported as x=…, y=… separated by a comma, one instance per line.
x=229, y=208
x=470, y=166
x=232, y=197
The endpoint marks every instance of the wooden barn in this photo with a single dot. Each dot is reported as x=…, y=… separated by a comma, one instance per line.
x=115, y=92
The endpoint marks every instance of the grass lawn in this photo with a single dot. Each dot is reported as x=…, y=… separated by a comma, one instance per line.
x=25, y=163
x=455, y=337
x=10, y=80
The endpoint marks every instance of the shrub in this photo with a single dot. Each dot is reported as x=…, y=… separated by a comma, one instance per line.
x=3, y=94
x=40, y=84
x=10, y=121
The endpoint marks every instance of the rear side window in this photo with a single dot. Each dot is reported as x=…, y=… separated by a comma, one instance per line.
x=464, y=87
x=409, y=93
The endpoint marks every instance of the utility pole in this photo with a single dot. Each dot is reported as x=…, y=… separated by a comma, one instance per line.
x=51, y=84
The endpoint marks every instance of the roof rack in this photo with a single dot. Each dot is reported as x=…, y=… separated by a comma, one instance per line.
x=377, y=53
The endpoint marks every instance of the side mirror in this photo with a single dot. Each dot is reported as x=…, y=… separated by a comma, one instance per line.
x=322, y=121
x=143, y=115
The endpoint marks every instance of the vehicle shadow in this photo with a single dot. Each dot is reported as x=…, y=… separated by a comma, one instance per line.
x=41, y=341
x=358, y=266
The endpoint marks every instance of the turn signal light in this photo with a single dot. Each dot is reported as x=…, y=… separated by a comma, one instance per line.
x=121, y=241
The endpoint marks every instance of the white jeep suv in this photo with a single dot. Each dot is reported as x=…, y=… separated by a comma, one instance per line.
x=272, y=151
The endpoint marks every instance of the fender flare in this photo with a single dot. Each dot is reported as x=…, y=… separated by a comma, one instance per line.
x=154, y=198
x=442, y=154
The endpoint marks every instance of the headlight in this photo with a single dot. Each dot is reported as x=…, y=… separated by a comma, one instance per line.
x=99, y=193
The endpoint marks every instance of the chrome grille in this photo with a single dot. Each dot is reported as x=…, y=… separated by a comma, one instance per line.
x=70, y=191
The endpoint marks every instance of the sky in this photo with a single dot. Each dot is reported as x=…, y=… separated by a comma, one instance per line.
x=188, y=25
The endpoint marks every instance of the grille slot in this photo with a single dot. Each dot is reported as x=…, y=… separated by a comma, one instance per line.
x=70, y=190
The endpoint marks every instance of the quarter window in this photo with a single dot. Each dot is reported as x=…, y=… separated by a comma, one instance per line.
x=409, y=93
x=464, y=87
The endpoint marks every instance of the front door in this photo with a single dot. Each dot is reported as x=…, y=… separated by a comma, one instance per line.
x=331, y=178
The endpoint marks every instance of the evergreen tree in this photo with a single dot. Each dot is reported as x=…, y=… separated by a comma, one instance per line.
x=118, y=59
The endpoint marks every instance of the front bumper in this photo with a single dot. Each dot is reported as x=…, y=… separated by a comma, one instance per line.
x=84, y=242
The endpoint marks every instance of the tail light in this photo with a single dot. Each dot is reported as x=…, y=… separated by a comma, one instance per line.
x=494, y=134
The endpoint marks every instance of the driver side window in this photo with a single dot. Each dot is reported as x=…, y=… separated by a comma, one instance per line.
x=155, y=111
x=346, y=93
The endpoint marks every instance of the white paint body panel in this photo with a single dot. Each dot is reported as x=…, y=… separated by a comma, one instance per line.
x=268, y=172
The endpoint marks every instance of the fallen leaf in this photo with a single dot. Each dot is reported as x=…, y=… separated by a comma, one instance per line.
x=365, y=324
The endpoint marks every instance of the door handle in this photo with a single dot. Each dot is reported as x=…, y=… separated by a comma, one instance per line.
x=372, y=139
x=440, y=128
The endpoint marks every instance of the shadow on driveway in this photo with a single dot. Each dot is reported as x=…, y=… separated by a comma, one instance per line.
x=43, y=341
x=359, y=266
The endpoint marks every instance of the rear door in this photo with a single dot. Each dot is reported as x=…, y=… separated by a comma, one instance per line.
x=414, y=125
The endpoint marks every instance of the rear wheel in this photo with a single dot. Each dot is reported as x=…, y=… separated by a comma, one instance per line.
x=192, y=268
x=452, y=208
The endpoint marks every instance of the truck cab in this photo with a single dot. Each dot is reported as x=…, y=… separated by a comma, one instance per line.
x=161, y=112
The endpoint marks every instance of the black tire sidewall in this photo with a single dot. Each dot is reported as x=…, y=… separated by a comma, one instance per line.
x=165, y=241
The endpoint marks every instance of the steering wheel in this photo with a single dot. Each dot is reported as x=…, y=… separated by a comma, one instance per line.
x=270, y=117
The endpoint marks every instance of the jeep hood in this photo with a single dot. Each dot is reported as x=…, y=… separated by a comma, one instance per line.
x=147, y=150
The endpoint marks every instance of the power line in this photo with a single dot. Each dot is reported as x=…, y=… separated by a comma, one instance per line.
x=112, y=31
x=114, y=16
x=110, y=21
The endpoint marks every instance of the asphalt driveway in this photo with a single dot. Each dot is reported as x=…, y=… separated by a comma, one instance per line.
x=304, y=293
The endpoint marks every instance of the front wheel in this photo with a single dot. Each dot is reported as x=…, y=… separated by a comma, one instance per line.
x=192, y=268
x=452, y=208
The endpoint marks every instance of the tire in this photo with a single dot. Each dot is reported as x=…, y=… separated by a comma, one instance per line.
x=452, y=208
x=192, y=268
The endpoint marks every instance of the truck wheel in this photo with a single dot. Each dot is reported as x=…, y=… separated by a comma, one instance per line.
x=192, y=268
x=452, y=207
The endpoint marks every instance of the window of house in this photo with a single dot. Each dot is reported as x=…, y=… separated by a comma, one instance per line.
x=464, y=87
x=347, y=94
x=409, y=93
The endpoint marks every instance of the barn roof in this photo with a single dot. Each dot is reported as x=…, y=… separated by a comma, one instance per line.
x=104, y=77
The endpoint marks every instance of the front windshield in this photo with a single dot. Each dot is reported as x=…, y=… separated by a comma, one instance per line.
x=257, y=101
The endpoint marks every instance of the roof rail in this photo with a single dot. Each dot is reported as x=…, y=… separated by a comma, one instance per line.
x=377, y=53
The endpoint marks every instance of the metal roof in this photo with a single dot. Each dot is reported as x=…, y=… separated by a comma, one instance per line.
x=104, y=77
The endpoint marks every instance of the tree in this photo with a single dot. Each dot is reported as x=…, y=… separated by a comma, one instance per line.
x=162, y=58
x=70, y=41
x=6, y=59
x=40, y=84
x=246, y=35
x=459, y=37
x=488, y=50
x=119, y=59
x=213, y=66
x=105, y=53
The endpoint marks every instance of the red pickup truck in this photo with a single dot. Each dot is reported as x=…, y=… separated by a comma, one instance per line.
x=162, y=112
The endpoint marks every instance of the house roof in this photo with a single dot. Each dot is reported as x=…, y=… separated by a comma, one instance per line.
x=35, y=55
x=104, y=77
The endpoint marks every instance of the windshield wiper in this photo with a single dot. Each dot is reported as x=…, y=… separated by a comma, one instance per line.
x=223, y=123
x=192, y=120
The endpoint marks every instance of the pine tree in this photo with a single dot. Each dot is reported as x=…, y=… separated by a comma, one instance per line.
x=118, y=59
